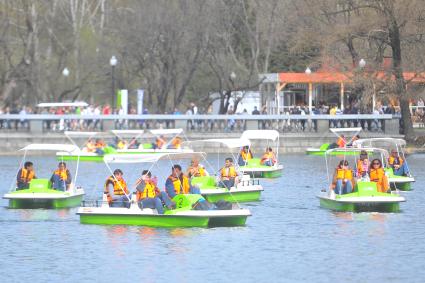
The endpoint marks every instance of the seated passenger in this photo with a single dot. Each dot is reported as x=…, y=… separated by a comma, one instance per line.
x=119, y=196
x=61, y=178
x=377, y=175
x=121, y=144
x=356, y=137
x=133, y=144
x=176, y=143
x=196, y=170
x=148, y=194
x=177, y=183
x=397, y=163
x=90, y=146
x=363, y=165
x=25, y=175
x=244, y=156
x=159, y=143
x=228, y=175
x=268, y=158
x=343, y=181
x=99, y=146
x=341, y=142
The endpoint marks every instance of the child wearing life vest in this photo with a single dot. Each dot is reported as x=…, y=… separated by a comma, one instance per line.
x=25, y=175
x=148, y=194
x=343, y=181
x=377, y=175
x=362, y=165
x=244, y=156
x=398, y=164
x=268, y=158
x=61, y=178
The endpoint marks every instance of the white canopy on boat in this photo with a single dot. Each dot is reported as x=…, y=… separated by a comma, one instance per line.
x=150, y=158
x=339, y=131
x=374, y=141
x=80, y=134
x=358, y=149
x=159, y=132
x=127, y=132
x=51, y=147
x=63, y=104
x=260, y=135
x=230, y=143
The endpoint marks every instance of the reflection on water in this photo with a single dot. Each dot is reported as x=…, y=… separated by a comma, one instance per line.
x=288, y=238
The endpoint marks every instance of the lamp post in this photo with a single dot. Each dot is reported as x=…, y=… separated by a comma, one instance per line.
x=65, y=73
x=113, y=62
x=310, y=91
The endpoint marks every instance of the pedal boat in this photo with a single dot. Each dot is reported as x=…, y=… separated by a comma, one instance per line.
x=245, y=191
x=338, y=132
x=402, y=183
x=40, y=193
x=78, y=153
x=254, y=167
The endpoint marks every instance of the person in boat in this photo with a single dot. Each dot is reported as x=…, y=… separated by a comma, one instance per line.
x=356, y=137
x=377, y=175
x=244, y=156
x=196, y=170
x=398, y=165
x=268, y=158
x=159, y=142
x=340, y=143
x=228, y=174
x=133, y=144
x=25, y=175
x=90, y=146
x=176, y=143
x=178, y=183
x=99, y=145
x=148, y=195
x=343, y=181
x=363, y=165
x=61, y=177
x=119, y=196
x=121, y=144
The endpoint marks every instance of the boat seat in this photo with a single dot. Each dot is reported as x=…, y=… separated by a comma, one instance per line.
x=324, y=147
x=40, y=184
x=255, y=162
x=204, y=182
x=366, y=188
x=186, y=200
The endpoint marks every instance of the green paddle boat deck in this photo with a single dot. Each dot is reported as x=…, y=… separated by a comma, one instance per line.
x=402, y=183
x=322, y=150
x=41, y=195
x=365, y=198
x=257, y=170
x=246, y=190
x=183, y=216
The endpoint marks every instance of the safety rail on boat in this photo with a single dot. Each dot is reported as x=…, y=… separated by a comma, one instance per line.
x=250, y=182
x=198, y=123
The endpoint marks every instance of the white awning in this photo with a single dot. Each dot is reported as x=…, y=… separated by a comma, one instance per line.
x=127, y=132
x=260, y=135
x=358, y=149
x=51, y=147
x=159, y=132
x=230, y=143
x=151, y=158
x=375, y=141
x=63, y=104
x=345, y=130
x=80, y=134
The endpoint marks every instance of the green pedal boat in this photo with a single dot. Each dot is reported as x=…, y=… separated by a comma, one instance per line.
x=338, y=132
x=40, y=193
x=183, y=216
x=246, y=190
x=365, y=198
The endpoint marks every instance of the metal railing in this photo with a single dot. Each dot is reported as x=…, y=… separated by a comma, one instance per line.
x=192, y=123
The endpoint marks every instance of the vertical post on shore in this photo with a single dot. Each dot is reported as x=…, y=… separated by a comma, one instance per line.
x=310, y=97
x=374, y=98
x=341, y=93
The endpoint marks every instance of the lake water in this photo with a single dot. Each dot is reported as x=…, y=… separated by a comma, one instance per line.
x=289, y=238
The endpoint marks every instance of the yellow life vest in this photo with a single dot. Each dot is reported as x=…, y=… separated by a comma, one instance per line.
x=121, y=145
x=395, y=161
x=63, y=174
x=149, y=191
x=344, y=174
x=246, y=155
x=26, y=175
x=229, y=172
x=197, y=171
x=180, y=188
x=120, y=186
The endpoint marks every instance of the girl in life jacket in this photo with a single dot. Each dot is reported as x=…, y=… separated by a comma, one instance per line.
x=268, y=158
x=363, y=165
x=343, y=181
x=377, y=175
x=25, y=175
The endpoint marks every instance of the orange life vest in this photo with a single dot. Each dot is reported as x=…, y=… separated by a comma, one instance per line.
x=150, y=191
x=180, y=188
x=344, y=174
x=120, y=186
x=159, y=143
x=378, y=176
x=100, y=145
x=395, y=161
x=63, y=174
x=341, y=142
x=246, y=155
x=26, y=175
x=268, y=156
x=176, y=143
x=229, y=172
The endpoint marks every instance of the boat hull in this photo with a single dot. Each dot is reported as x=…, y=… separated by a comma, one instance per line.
x=89, y=158
x=47, y=203
x=227, y=222
x=359, y=207
x=244, y=196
